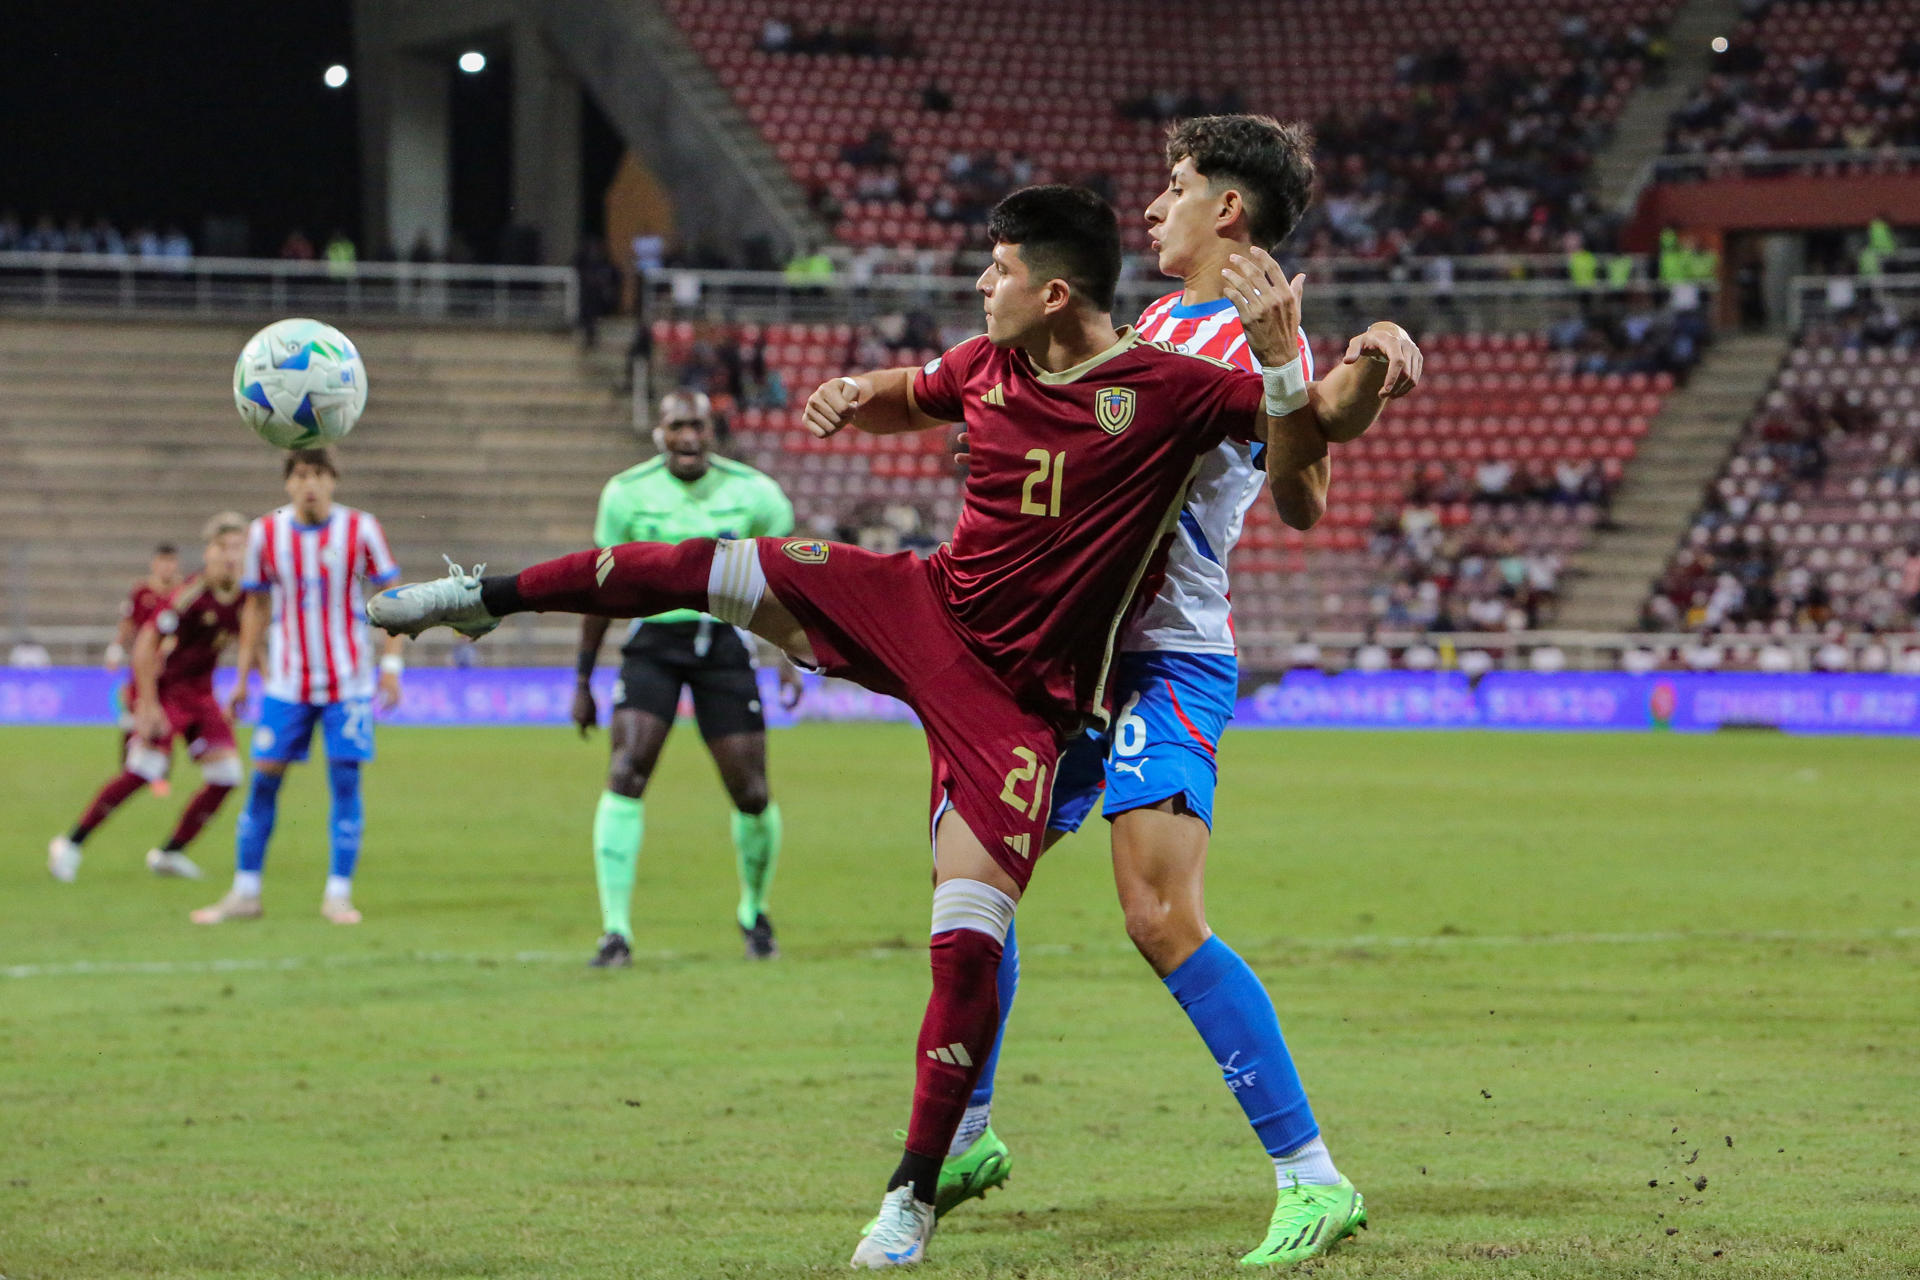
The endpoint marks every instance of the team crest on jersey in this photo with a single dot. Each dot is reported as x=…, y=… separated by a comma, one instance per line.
x=805, y=550
x=1113, y=409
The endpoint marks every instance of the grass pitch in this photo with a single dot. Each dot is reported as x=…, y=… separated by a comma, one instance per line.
x=1566, y=1006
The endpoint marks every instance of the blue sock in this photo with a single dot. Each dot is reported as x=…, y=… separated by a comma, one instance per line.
x=343, y=776
x=1008, y=980
x=256, y=822
x=1232, y=1013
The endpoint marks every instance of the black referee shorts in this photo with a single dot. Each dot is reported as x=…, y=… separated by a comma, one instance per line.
x=706, y=657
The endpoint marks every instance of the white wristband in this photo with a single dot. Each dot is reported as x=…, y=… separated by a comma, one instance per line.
x=115, y=654
x=391, y=664
x=1286, y=387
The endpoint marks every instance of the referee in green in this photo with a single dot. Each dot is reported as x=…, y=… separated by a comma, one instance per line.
x=686, y=492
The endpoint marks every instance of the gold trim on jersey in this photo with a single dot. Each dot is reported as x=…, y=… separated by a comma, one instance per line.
x=1127, y=341
x=1168, y=523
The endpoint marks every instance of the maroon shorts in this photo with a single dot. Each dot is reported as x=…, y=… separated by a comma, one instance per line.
x=195, y=716
x=878, y=621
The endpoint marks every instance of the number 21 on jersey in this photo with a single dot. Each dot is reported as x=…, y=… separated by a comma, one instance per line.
x=1048, y=474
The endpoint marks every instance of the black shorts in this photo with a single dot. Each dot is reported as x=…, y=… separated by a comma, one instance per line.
x=663, y=658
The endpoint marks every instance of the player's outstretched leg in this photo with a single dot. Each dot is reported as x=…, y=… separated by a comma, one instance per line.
x=632, y=580
x=63, y=852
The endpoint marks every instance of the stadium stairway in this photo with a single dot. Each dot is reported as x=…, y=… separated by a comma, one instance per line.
x=1683, y=451
x=117, y=435
x=1640, y=132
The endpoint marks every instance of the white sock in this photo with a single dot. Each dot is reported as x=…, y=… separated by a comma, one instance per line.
x=246, y=884
x=972, y=1124
x=339, y=887
x=1311, y=1165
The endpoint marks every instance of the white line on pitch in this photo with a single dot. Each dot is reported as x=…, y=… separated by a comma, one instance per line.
x=280, y=964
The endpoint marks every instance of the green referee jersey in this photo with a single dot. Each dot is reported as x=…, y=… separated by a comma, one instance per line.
x=648, y=503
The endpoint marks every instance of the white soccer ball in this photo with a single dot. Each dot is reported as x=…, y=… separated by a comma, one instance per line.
x=300, y=384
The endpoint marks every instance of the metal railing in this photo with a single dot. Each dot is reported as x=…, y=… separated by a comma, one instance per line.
x=1833, y=162
x=250, y=287
x=1425, y=305
x=1814, y=299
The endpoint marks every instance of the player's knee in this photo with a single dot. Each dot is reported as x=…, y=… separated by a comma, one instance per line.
x=750, y=796
x=147, y=762
x=344, y=776
x=224, y=772
x=1162, y=928
x=625, y=778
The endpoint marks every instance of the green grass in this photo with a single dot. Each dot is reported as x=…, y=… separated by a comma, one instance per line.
x=1524, y=977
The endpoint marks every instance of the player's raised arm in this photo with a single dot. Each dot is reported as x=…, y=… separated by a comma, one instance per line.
x=1382, y=364
x=880, y=402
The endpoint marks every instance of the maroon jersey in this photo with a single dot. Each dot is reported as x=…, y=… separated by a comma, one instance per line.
x=1075, y=485
x=141, y=604
x=194, y=627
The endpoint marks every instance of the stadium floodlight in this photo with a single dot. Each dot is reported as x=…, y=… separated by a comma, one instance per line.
x=335, y=76
x=1719, y=44
x=473, y=62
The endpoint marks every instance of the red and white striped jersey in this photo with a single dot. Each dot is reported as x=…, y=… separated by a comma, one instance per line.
x=319, y=649
x=1192, y=613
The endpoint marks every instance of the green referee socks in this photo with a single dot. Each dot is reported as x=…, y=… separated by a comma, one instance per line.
x=756, y=847
x=617, y=827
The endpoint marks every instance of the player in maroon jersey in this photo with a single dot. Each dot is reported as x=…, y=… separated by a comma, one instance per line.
x=1084, y=442
x=174, y=654
x=143, y=601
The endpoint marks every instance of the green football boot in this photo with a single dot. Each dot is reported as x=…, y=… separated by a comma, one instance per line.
x=976, y=1171
x=1307, y=1221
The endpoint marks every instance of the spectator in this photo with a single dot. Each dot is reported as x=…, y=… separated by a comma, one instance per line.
x=1420, y=655
x=1304, y=653
x=342, y=257
x=1547, y=659
x=1704, y=654
x=776, y=35
x=1371, y=655
x=297, y=248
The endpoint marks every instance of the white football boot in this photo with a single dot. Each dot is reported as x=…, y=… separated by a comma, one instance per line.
x=899, y=1235
x=63, y=859
x=163, y=863
x=235, y=906
x=452, y=601
x=339, y=909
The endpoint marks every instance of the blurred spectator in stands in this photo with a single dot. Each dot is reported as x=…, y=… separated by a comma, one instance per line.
x=1304, y=654
x=1908, y=663
x=599, y=286
x=43, y=237
x=1639, y=660
x=1833, y=653
x=1874, y=657
x=934, y=98
x=108, y=240
x=1371, y=655
x=176, y=244
x=1880, y=245
x=144, y=241
x=1705, y=653
x=776, y=35
x=1492, y=481
x=342, y=256
x=10, y=231
x=1420, y=655
x=297, y=248
x=1547, y=659
x=809, y=265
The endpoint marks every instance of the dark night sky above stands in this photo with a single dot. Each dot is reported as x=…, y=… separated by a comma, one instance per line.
x=139, y=110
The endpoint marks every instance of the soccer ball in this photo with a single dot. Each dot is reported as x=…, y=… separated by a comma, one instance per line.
x=300, y=384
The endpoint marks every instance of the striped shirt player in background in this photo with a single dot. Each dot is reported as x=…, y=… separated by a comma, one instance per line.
x=148, y=597
x=175, y=647
x=1235, y=181
x=307, y=567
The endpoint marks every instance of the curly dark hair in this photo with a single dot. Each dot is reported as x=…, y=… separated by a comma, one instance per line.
x=1064, y=233
x=1270, y=164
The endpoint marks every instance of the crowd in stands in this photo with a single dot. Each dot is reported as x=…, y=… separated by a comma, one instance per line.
x=1800, y=76
x=1815, y=523
x=74, y=235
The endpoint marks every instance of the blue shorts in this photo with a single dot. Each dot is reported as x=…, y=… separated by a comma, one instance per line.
x=1170, y=709
x=285, y=731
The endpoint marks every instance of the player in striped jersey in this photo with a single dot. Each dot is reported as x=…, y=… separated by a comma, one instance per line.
x=307, y=567
x=1235, y=181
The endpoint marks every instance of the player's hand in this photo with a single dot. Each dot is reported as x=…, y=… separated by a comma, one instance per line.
x=1268, y=303
x=835, y=404
x=962, y=454
x=792, y=687
x=389, y=690
x=150, y=723
x=237, y=701
x=586, y=712
x=1394, y=347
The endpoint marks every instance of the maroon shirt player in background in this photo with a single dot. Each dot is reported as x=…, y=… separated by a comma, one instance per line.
x=146, y=598
x=175, y=651
x=1084, y=439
